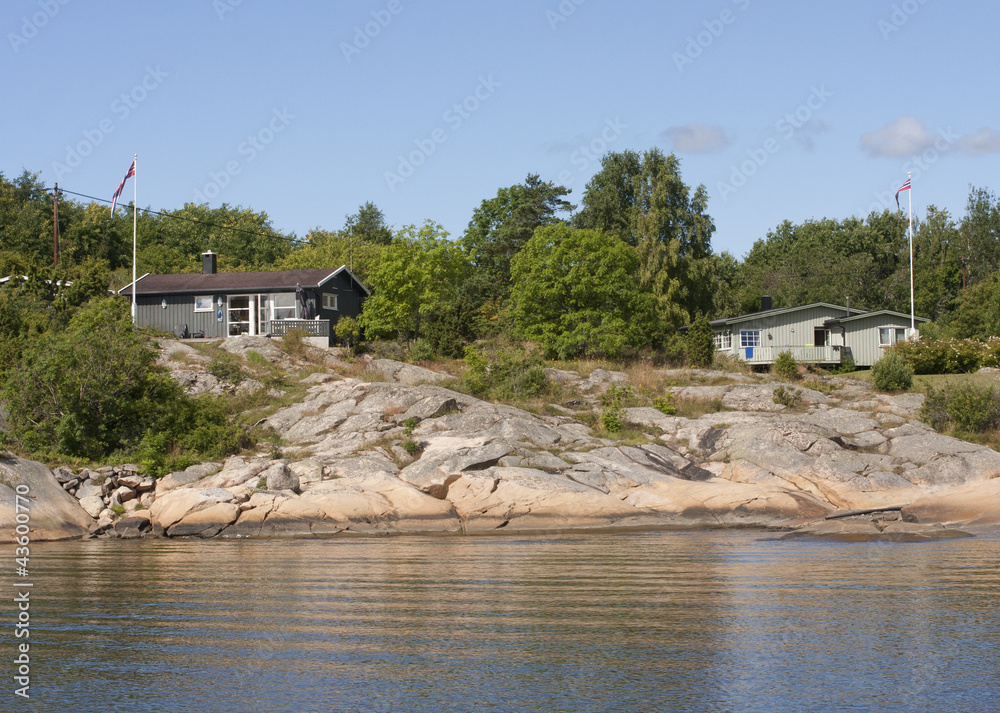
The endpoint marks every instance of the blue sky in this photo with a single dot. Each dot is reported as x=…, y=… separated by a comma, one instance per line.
x=783, y=110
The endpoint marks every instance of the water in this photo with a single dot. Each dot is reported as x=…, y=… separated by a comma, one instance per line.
x=716, y=621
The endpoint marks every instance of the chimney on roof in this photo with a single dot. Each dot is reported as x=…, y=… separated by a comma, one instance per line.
x=765, y=303
x=208, y=263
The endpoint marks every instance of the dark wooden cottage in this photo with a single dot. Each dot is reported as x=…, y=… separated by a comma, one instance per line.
x=229, y=304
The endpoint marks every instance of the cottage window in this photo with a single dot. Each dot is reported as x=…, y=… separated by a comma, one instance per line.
x=749, y=338
x=329, y=301
x=283, y=304
x=203, y=303
x=887, y=336
x=900, y=334
x=723, y=341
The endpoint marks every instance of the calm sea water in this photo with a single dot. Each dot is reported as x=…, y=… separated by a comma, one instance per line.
x=716, y=621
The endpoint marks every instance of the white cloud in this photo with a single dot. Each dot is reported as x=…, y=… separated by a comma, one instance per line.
x=907, y=137
x=987, y=140
x=697, y=138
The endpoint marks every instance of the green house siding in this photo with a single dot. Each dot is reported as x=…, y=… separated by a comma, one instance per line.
x=785, y=330
x=795, y=330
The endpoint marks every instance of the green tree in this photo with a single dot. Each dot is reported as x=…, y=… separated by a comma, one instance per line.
x=502, y=225
x=700, y=342
x=643, y=201
x=417, y=273
x=368, y=226
x=89, y=390
x=980, y=235
x=575, y=292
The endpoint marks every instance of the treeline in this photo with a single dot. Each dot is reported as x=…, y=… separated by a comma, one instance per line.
x=613, y=275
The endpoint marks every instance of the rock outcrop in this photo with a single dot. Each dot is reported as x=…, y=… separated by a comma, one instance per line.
x=408, y=455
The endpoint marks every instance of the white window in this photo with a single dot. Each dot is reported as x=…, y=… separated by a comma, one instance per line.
x=203, y=303
x=723, y=341
x=887, y=336
x=749, y=338
x=283, y=305
x=329, y=301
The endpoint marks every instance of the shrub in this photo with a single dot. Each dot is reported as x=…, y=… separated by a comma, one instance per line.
x=967, y=408
x=614, y=401
x=789, y=397
x=785, y=366
x=411, y=446
x=293, y=342
x=225, y=368
x=504, y=374
x=421, y=350
x=847, y=364
x=890, y=373
x=974, y=409
x=665, y=404
x=347, y=331
x=953, y=356
x=700, y=343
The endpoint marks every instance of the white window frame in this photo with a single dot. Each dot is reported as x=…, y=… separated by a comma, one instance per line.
x=749, y=338
x=330, y=301
x=205, y=299
x=275, y=307
x=892, y=336
x=723, y=341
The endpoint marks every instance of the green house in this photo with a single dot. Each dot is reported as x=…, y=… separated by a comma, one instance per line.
x=817, y=333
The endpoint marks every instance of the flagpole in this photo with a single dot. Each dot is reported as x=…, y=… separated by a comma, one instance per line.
x=913, y=319
x=135, y=218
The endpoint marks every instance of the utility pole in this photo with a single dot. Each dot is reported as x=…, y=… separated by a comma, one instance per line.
x=55, y=226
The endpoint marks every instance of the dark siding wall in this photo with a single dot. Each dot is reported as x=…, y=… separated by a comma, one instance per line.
x=349, y=299
x=179, y=310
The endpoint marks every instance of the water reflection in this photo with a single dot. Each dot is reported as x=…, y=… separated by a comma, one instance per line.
x=654, y=621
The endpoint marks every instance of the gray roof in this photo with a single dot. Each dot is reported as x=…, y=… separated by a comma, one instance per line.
x=848, y=314
x=198, y=283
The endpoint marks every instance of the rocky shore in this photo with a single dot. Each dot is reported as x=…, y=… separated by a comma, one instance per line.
x=409, y=455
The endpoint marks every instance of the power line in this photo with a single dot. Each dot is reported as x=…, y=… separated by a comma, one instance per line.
x=275, y=234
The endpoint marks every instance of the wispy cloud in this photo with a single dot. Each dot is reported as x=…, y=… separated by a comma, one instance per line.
x=908, y=136
x=697, y=138
x=986, y=140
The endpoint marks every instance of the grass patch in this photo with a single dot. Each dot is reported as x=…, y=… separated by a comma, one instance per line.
x=696, y=408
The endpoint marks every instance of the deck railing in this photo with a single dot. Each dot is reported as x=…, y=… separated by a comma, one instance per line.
x=312, y=327
x=808, y=354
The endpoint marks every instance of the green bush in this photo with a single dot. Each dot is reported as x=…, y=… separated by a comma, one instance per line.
x=614, y=400
x=347, y=331
x=890, y=373
x=789, y=397
x=974, y=409
x=700, y=343
x=226, y=368
x=665, y=404
x=953, y=356
x=968, y=408
x=411, y=446
x=421, y=350
x=785, y=366
x=847, y=364
x=504, y=373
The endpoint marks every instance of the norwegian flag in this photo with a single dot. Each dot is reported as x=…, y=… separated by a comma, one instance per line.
x=131, y=172
x=906, y=187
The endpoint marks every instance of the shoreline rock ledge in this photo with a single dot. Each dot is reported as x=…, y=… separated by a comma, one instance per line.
x=389, y=457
